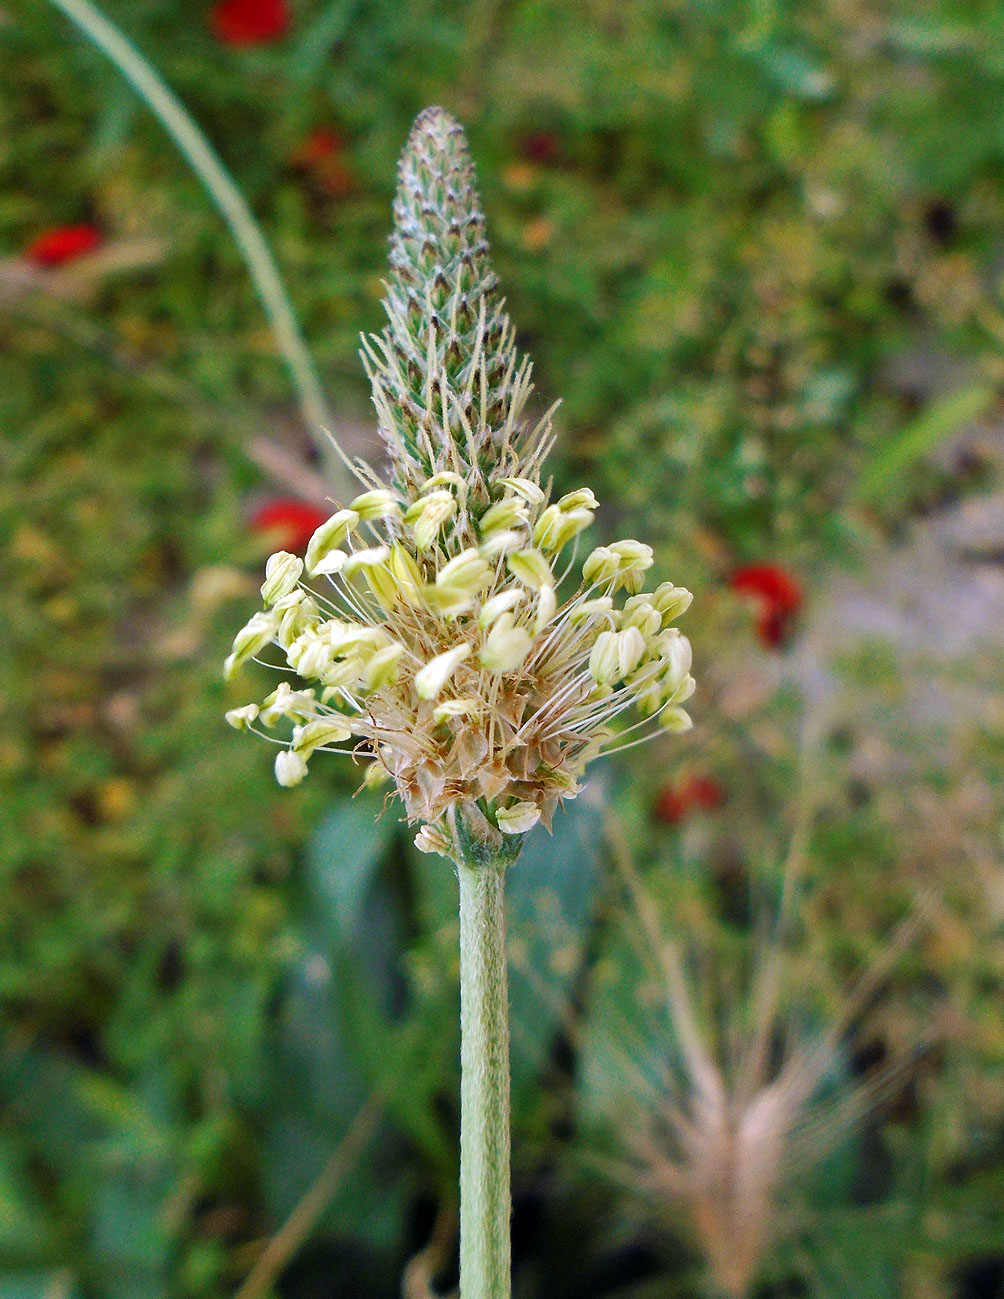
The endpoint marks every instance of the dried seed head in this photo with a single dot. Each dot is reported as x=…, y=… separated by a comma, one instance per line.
x=720, y=1097
x=436, y=636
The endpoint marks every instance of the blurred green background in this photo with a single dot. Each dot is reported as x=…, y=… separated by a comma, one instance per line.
x=757, y=249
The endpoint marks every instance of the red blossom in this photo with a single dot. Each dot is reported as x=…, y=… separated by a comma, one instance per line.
x=692, y=793
x=320, y=143
x=249, y=22
x=62, y=244
x=542, y=147
x=290, y=523
x=776, y=595
x=322, y=155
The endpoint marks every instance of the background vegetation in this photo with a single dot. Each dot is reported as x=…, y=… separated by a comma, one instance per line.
x=757, y=249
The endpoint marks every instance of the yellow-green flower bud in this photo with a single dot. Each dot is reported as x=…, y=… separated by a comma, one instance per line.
x=428, y=514
x=630, y=650
x=384, y=585
x=298, y=613
x=601, y=565
x=650, y=701
x=292, y=600
x=446, y=479
x=683, y=691
x=506, y=646
x=333, y=562
x=241, y=718
x=431, y=839
x=250, y=640
x=342, y=636
x=377, y=504
x=671, y=601
x=531, y=568
x=602, y=606
x=633, y=558
x=604, y=659
x=675, y=720
x=499, y=604
x=581, y=499
x=448, y=602
x=518, y=818
x=345, y=673
x=290, y=768
x=633, y=553
x=555, y=528
x=466, y=572
x=677, y=657
x=501, y=543
x=375, y=775
x=381, y=668
x=455, y=708
x=547, y=603
x=318, y=733
x=431, y=679
x=310, y=655
x=284, y=701
x=525, y=487
x=638, y=612
x=329, y=536
x=406, y=573
x=503, y=515
x=364, y=559
x=282, y=572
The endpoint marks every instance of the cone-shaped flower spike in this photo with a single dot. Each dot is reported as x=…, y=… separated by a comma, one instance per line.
x=435, y=619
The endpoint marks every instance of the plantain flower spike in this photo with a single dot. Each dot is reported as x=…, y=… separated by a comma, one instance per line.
x=443, y=625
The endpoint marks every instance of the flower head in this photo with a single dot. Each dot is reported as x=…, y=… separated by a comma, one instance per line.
x=776, y=596
x=242, y=23
x=288, y=521
x=694, y=792
x=62, y=244
x=444, y=624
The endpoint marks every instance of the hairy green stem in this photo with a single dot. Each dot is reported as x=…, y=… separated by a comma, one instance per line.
x=198, y=152
x=484, y=1085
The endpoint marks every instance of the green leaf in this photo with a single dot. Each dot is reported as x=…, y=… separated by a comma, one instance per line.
x=796, y=72
x=551, y=893
x=314, y=47
x=939, y=421
x=25, y=1232
x=344, y=965
x=38, y=1285
x=858, y=1256
x=343, y=855
x=625, y=1042
x=330, y=1051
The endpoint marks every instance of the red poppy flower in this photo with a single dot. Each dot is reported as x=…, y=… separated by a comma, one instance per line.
x=692, y=793
x=543, y=147
x=776, y=596
x=249, y=22
x=62, y=244
x=289, y=522
x=322, y=142
x=322, y=155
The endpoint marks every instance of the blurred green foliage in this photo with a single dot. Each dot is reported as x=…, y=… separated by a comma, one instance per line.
x=720, y=226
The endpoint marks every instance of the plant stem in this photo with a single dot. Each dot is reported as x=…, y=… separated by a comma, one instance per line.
x=199, y=154
x=484, y=1085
